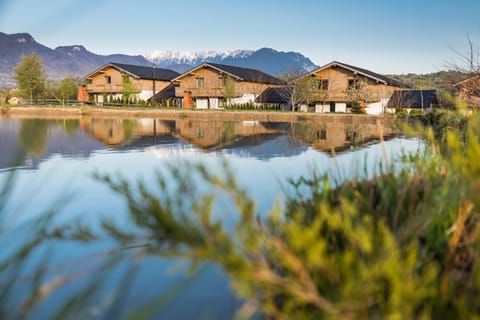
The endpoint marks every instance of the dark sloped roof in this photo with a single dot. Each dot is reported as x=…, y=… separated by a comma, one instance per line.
x=412, y=99
x=141, y=72
x=362, y=71
x=374, y=75
x=467, y=80
x=245, y=74
x=248, y=74
x=166, y=93
x=147, y=72
x=276, y=95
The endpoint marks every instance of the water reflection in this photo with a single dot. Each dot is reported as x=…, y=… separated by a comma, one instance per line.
x=138, y=147
x=79, y=137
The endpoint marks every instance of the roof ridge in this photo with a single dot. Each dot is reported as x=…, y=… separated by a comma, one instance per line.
x=366, y=72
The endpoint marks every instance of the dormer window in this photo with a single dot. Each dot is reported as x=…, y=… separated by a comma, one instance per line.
x=221, y=81
x=200, y=82
x=353, y=84
x=323, y=85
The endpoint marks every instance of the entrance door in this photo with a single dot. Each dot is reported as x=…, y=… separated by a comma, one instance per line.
x=332, y=106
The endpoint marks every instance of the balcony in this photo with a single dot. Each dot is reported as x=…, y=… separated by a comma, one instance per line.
x=107, y=88
x=340, y=96
x=200, y=92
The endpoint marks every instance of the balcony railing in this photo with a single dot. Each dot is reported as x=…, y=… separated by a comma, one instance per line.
x=107, y=88
x=331, y=95
x=200, y=92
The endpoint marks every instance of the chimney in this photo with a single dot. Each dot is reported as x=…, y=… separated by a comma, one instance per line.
x=82, y=95
x=187, y=100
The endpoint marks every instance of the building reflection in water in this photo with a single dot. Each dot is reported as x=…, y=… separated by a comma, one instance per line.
x=40, y=138
x=216, y=134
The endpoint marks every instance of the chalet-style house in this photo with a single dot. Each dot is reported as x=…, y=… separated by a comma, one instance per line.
x=107, y=83
x=212, y=86
x=409, y=100
x=334, y=88
x=469, y=91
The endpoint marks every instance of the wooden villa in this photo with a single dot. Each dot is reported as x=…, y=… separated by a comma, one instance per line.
x=213, y=86
x=469, y=91
x=334, y=87
x=107, y=83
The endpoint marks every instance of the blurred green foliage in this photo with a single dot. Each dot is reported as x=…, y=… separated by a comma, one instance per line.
x=403, y=243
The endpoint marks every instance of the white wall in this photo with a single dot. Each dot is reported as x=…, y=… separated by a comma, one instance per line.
x=322, y=108
x=376, y=108
x=145, y=94
x=340, y=107
x=201, y=103
x=246, y=98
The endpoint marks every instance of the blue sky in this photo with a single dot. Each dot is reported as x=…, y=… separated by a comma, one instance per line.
x=386, y=36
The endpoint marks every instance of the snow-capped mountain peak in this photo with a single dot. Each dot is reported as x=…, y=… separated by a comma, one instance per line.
x=163, y=57
x=265, y=59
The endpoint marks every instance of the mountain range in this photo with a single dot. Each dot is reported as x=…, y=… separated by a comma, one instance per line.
x=77, y=61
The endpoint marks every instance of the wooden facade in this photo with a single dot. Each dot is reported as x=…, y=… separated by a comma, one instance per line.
x=335, y=82
x=469, y=91
x=106, y=84
x=211, y=86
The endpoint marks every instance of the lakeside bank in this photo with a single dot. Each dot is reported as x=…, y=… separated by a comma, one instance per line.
x=225, y=115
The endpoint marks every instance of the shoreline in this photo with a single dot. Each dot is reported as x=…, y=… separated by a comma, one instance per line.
x=267, y=116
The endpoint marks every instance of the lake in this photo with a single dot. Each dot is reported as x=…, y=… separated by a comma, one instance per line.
x=54, y=160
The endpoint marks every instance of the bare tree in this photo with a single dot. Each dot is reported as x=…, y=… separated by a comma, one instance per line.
x=357, y=94
x=229, y=90
x=301, y=88
x=468, y=64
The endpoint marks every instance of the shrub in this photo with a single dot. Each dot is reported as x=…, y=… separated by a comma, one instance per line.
x=403, y=243
x=85, y=110
x=357, y=108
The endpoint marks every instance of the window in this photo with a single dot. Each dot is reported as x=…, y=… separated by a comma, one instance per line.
x=200, y=82
x=323, y=85
x=353, y=84
x=88, y=81
x=108, y=79
x=221, y=81
x=322, y=134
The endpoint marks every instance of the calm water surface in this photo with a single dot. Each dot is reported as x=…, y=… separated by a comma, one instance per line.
x=54, y=161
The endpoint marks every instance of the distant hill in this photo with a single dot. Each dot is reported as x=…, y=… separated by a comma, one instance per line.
x=442, y=80
x=77, y=61
x=59, y=62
